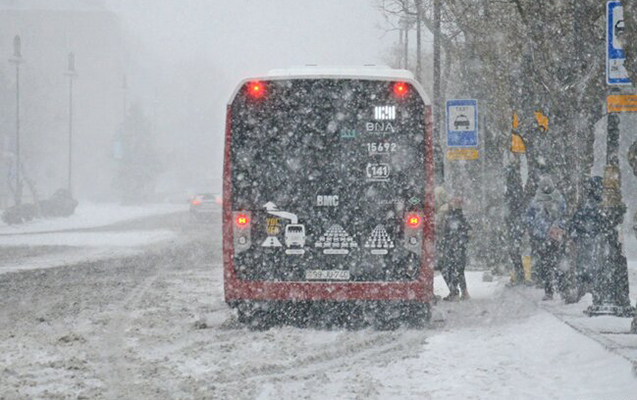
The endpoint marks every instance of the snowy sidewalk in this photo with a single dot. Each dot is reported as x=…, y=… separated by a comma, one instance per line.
x=613, y=333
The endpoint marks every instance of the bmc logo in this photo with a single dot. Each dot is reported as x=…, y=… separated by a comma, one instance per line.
x=327, y=201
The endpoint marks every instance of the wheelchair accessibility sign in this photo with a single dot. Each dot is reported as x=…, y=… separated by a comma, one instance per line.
x=462, y=123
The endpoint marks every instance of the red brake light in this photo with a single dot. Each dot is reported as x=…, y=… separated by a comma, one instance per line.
x=256, y=89
x=195, y=202
x=242, y=220
x=413, y=220
x=400, y=89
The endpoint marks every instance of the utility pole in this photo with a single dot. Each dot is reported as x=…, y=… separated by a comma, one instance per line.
x=437, y=101
x=71, y=73
x=404, y=23
x=17, y=60
x=611, y=294
x=418, y=40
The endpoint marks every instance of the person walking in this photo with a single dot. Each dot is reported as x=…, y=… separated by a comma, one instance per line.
x=455, y=238
x=442, y=208
x=545, y=220
x=586, y=230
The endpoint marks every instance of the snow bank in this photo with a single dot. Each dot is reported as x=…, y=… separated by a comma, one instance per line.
x=90, y=215
x=88, y=239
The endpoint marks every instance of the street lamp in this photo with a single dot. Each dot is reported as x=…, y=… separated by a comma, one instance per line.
x=17, y=60
x=71, y=73
x=437, y=101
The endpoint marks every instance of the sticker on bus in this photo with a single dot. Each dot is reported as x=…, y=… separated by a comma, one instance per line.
x=379, y=242
x=336, y=241
x=378, y=172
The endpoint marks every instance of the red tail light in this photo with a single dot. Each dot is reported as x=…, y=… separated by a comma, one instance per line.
x=256, y=89
x=401, y=89
x=195, y=202
x=242, y=220
x=413, y=220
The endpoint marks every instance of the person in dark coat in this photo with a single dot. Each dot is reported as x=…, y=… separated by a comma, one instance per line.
x=442, y=207
x=545, y=220
x=586, y=229
x=455, y=238
x=514, y=219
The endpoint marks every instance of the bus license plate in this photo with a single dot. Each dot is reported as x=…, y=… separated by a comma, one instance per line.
x=327, y=275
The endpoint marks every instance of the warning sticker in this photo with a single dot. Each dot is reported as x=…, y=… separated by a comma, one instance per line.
x=379, y=241
x=336, y=241
x=271, y=241
x=273, y=226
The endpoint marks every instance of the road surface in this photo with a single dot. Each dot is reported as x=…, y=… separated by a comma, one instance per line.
x=152, y=324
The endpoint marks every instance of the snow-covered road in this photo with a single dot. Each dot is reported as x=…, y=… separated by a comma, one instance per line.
x=91, y=215
x=155, y=326
x=94, y=232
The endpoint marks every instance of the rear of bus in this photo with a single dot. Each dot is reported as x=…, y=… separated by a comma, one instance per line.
x=328, y=192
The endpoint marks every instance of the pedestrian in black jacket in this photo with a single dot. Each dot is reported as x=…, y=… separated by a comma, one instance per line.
x=455, y=238
x=586, y=229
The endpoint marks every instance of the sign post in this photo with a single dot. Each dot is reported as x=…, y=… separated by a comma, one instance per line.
x=611, y=293
x=462, y=129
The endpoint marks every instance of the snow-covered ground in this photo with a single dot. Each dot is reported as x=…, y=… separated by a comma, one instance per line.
x=92, y=215
x=157, y=327
x=153, y=324
x=64, y=249
x=88, y=239
x=91, y=234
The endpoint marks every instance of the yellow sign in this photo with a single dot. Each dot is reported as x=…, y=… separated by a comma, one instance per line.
x=621, y=103
x=517, y=144
x=272, y=226
x=542, y=121
x=462, y=154
x=526, y=264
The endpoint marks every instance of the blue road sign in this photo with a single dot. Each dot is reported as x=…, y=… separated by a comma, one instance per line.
x=616, y=73
x=462, y=123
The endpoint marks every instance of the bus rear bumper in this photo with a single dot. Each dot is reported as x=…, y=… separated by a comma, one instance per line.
x=414, y=291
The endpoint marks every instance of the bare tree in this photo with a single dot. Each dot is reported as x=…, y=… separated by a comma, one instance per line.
x=525, y=57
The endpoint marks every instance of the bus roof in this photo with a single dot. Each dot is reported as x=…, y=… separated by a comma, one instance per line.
x=372, y=72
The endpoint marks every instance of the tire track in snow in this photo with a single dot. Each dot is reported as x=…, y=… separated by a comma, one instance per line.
x=117, y=373
x=382, y=347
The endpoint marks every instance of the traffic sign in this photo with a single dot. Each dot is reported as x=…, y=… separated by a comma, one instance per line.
x=462, y=123
x=456, y=154
x=616, y=73
x=517, y=144
x=621, y=103
x=542, y=121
